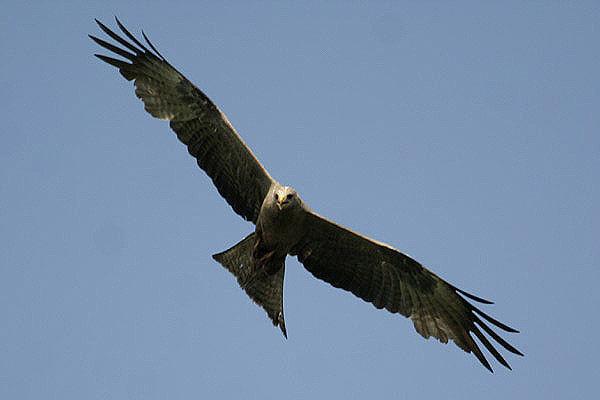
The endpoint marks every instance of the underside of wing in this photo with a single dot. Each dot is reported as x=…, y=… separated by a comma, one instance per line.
x=389, y=279
x=167, y=94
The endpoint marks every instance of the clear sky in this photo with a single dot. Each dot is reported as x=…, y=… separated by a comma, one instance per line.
x=465, y=135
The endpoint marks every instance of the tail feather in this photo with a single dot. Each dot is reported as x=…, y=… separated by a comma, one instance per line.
x=264, y=289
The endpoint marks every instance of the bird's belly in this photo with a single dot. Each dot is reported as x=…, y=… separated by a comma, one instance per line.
x=280, y=234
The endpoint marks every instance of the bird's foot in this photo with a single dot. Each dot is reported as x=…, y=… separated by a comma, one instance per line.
x=255, y=252
x=265, y=259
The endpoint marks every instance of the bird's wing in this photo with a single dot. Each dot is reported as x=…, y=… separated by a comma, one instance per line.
x=389, y=279
x=199, y=124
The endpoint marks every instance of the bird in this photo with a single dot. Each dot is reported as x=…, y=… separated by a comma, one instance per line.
x=284, y=225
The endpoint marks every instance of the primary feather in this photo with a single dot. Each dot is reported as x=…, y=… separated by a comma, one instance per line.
x=373, y=271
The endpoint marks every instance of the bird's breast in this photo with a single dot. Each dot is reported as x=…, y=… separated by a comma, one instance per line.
x=280, y=229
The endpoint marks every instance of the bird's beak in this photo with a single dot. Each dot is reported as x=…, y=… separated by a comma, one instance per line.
x=281, y=202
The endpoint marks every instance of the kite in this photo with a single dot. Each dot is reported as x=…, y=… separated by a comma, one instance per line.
x=285, y=225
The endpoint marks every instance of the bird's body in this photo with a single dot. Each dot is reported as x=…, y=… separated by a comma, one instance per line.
x=285, y=225
x=280, y=224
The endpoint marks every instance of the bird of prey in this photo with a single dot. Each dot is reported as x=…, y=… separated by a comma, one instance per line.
x=371, y=270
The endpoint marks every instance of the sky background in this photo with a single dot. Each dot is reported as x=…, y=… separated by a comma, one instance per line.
x=465, y=135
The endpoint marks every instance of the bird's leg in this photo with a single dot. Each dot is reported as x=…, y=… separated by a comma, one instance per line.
x=262, y=261
x=262, y=258
x=255, y=252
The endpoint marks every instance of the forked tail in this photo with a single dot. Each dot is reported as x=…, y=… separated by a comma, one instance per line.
x=264, y=289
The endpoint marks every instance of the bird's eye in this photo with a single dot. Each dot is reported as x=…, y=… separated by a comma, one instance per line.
x=276, y=196
x=289, y=196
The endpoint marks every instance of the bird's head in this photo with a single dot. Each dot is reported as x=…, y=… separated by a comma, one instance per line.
x=285, y=196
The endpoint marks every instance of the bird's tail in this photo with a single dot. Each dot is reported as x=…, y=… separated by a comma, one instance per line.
x=264, y=289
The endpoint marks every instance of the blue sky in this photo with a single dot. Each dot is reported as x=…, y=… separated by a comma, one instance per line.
x=465, y=135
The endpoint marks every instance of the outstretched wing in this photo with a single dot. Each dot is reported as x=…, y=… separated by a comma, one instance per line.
x=392, y=280
x=167, y=94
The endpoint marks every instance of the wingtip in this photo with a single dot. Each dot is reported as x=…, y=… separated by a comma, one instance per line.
x=121, y=26
x=472, y=296
x=152, y=46
x=100, y=24
x=519, y=353
x=488, y=366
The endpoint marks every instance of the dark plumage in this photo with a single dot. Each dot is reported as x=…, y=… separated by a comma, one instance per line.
x=373, y=271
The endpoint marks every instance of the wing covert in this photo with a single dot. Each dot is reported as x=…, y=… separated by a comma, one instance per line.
x=237, y=174
x=387, y=278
